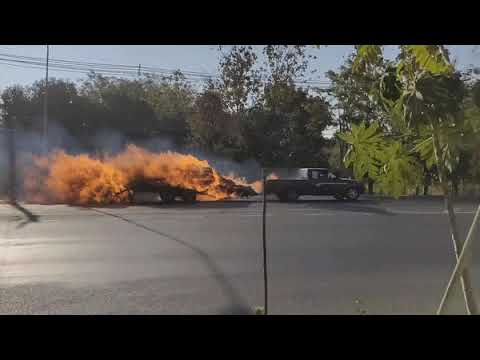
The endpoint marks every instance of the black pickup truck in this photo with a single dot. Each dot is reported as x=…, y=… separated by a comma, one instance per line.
x=313, y=181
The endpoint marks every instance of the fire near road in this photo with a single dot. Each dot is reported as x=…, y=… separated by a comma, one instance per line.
x=324, y=257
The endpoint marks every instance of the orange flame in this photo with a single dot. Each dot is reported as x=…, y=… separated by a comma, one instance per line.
x=81, y=179
x=256, y=185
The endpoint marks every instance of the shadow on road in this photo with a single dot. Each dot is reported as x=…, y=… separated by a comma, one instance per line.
x=221, y=204
x=227, y=204
x=372, y=206
x=90, y=207
x=238, y=304
x=364, y=206
x=30, y=217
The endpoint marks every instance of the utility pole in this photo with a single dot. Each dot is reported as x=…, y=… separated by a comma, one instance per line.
x=9, y=135
x=45, y=108
x=139, y=67
x=12, y=163
x=264, y=241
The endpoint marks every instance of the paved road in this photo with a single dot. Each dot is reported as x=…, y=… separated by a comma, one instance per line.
x=325, y=257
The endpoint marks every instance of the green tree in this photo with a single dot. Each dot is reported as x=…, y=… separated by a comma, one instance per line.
x=239, y=82
x=296, y=121
x=356, y=95
x=16, y=106
x=432, y=128
x=471, y=159
x=64, y=109
x=141, y=108
x=239, y=86
x=260, y=112
x=122, y=104
x=212, y=126
x=284, y=63
x=172, y=100
x=285, y=126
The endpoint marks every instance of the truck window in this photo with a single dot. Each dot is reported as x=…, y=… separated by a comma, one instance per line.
x=318, y=174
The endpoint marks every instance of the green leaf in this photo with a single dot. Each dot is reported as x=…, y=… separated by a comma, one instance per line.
x=400, y=170
x=390, y=87
x=476, y=93
x=424, y=147
x=365, y=144
x=386, y=161
x=366, y=54
x=431, y=58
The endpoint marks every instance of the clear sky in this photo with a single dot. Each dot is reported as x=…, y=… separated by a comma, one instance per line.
x=200, y=58
x=184, y=57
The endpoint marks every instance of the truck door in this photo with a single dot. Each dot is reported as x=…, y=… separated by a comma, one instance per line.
x=337, y=186
x=318, y=181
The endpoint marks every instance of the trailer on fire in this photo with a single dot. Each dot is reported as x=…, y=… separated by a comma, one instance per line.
x=168, y=193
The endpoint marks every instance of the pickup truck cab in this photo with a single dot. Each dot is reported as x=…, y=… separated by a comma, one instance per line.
x=313, y=181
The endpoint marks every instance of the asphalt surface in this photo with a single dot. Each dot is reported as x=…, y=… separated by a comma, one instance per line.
x=324, y=257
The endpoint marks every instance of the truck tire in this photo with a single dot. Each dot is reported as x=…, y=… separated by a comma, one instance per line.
x=283, y=197
x=292, y=195
x=167, y=197
x=189, y=197
x=352, y=194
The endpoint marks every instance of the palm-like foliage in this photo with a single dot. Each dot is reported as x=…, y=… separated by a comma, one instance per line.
x=426, y=99
x=366, y=145
x=386, y=161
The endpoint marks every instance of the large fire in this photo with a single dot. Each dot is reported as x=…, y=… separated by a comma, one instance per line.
x=82, y=179
x=256, y=185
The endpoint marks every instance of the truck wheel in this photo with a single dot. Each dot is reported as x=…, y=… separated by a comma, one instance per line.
x=292, y=195
x=167, y=197
x=352, y=194
x=189, y=197
x=283, y=197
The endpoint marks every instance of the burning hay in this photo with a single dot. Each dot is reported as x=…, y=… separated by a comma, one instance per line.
x=81, y=179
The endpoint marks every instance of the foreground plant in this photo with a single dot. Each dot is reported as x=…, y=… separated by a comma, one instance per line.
x=424, y=97
x=259, y=310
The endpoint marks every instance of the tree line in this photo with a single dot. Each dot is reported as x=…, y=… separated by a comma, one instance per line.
x=253, y=110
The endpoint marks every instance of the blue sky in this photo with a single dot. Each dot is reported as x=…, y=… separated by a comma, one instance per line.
x=200, y=58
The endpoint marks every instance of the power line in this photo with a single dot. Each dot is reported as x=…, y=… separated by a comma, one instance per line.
x=89, y=66
x=123, y=67
x=108, y=72
x=85, y=67
x=33, y=65
x=115, y=69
